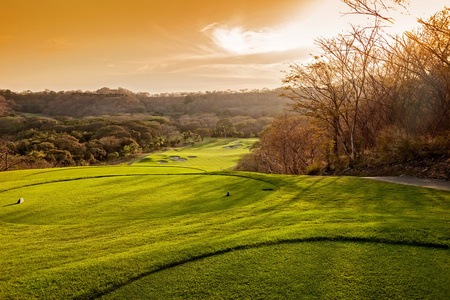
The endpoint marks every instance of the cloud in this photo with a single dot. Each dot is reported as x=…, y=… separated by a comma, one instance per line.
x=58, y=44
x=210, y=26
x=241, y=41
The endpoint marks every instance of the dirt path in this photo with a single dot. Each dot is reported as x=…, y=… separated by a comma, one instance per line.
x=424, y=182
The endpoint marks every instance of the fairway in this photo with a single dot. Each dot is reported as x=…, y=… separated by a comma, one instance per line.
x=134, y=197
x=169, y=231
x=215, y=154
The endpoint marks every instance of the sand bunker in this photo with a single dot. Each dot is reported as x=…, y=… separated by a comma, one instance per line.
x=232, y=147
x=174, y=158
x=177, y=158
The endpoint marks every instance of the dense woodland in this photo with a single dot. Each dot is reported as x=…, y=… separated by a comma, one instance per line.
x=48, y=129
x=369, y=103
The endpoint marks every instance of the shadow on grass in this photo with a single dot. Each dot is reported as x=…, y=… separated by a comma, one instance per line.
x=10, y=204
x=114, y=288
x=101, y=176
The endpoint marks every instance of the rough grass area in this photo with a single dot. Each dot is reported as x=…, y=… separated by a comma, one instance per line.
x=165, y=232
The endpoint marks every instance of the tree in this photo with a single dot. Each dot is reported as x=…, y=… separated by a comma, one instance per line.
x=427, y=52
x=4, y=109
x=288, y=146
x=203, y=132
x=186, y=136
x=375, y=8
x=334, y=88
x=225, y=128
x=8, y=157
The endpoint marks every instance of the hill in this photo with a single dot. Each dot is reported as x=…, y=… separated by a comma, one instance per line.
x=106, y=101
x=155, y=231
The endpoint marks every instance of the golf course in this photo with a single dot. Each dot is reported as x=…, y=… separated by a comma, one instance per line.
x=180, y=224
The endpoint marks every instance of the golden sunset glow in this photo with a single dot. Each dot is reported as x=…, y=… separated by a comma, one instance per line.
x=165, y=45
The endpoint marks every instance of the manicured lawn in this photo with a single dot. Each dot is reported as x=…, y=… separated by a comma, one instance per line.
x=318, y=270
x=168, y=232
x=216, y=154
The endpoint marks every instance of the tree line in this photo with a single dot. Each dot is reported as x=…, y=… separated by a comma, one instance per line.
x=54, y=129
x=367, y=98
x=106, y=101
x=45, y=142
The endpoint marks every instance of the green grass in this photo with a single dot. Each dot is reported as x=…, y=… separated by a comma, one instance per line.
x=170, y=232
x=344, y=270
x=209, y=156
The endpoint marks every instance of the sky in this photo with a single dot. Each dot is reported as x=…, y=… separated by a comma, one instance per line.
x=161, y=46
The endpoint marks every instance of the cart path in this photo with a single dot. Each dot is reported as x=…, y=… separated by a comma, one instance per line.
x=423, y=182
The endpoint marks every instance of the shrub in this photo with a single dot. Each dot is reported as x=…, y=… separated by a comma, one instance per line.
x=314, y=169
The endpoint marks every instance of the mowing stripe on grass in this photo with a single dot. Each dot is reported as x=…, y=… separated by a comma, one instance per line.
x=133, y=175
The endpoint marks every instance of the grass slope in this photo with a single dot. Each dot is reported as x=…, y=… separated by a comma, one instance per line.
x=168, y=232
x=320, y=270
x=216, y=154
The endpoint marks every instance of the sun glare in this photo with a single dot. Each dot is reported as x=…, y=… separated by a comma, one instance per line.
x=240, y=41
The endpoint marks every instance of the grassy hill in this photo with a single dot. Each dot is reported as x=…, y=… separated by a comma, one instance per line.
x=169, y=231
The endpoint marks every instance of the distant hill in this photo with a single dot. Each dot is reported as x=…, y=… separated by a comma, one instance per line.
x=105, y=101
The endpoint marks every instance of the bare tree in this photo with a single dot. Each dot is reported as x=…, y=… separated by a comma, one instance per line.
x=375, y=8
x=428, y=50
x=366, y=86
x=338, y=84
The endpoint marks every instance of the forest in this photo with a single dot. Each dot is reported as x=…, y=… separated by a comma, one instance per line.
x=70, y=128
x=369, y=103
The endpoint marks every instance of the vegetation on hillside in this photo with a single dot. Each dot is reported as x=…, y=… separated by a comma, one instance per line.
x=105, y=101
x=48, y=129
x=45, y=142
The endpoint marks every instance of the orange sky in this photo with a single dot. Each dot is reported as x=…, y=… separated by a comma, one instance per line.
x=163, y=45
